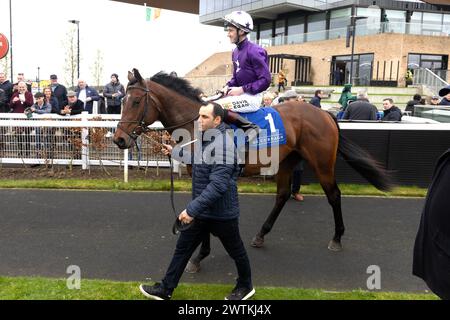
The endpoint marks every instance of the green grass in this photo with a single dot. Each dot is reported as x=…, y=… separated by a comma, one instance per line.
x=56, y=289
x=185, y=185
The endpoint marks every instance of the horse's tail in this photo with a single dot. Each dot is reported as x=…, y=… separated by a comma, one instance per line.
x=360, y=160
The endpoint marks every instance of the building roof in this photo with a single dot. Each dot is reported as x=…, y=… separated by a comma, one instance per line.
x=188, y=6
x=444, y=2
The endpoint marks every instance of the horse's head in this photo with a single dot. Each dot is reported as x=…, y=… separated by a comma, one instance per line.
x=140, y=110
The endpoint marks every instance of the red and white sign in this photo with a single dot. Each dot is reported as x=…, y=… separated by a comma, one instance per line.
x=4, y=46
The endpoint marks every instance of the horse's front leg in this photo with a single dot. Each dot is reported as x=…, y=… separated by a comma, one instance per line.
x=193, y=265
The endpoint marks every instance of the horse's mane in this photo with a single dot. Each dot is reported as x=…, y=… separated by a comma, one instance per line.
x=182, y=86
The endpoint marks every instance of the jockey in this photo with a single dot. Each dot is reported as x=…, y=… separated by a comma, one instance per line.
x=251, y=75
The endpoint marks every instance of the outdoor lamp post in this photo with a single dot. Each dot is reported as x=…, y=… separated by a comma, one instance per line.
x=11, y=39
x=352, y=29
x=77, y=22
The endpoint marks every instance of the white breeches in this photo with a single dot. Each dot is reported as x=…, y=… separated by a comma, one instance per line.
x=243, y=103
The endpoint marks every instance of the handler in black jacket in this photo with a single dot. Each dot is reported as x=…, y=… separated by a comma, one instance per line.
x=432, y=248
x=214, y=208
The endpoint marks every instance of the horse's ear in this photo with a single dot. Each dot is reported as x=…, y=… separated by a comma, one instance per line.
x=138, y=76
x=130, y=76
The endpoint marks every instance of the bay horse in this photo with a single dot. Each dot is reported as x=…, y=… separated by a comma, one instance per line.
x=312, y=134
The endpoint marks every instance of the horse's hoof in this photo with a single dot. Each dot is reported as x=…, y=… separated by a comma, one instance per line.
x=192, y=267
x=335, y=246
x=257, y=242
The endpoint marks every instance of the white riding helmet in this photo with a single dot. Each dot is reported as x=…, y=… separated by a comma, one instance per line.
x=240, y=19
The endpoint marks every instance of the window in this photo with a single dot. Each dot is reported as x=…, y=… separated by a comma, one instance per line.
x=209, y=6
x=339, y=20
x=227, y=4
x=202, y=7
x=218, y=5
x=296, y=29
x=279, y=32
x=265, y=33
x=416, y=23
x=395, y=21
x=371, y=25
x=316, y=27
x=413, y=61
x=237, y=3
x=362, y=68
x=446, y=25
x=430, y=61
x=432, y=23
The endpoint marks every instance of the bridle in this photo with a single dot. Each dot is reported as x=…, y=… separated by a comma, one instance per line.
x=142, y=127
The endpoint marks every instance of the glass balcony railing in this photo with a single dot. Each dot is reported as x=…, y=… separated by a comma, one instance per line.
x=437, y=113
x=361, y=30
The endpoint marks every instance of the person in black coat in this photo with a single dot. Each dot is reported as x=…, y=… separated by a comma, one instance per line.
x=5, y=97
x=361, y=109
x=445, y=93
x=3, y=101
x=315, y=101
x=114, y=93
x=59, y=91
x=431, y=260
x=74, y=106
x=417, y=100
x=391, y=112
x=214, y=207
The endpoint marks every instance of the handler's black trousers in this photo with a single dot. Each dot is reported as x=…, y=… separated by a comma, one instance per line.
x=297, y=177
x=188, y=241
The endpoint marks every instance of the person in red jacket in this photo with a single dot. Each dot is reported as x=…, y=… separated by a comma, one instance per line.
x=21, y=99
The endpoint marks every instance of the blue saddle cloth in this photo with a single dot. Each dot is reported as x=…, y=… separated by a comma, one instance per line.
x=272, y=131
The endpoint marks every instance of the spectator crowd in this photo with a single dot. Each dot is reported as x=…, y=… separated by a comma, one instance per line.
x=18, y=98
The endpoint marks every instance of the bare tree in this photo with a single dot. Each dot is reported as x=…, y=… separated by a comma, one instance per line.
x=5, y=65
x=71, y=62
x=97, y=68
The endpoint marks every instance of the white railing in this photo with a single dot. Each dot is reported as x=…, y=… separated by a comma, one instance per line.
x=426, y=77
x=85, y=140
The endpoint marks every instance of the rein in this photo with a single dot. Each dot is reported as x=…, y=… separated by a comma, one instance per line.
x=178, y=226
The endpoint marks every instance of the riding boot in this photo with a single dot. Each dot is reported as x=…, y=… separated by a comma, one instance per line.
x=236, y=119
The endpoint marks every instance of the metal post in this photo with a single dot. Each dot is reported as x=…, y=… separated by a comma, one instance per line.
x=125, y=169
x=353, y=20
x=85, y=141
x=11, y=41
x=78, y=46
x=353, y=53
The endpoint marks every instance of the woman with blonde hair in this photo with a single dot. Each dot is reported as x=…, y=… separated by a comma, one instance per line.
x=267, y=99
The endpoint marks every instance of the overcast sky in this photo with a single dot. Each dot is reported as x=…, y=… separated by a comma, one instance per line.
x=174, y=42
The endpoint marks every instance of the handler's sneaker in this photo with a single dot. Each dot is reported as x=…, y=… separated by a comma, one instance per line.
x=156, y=292
x=241, y=294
